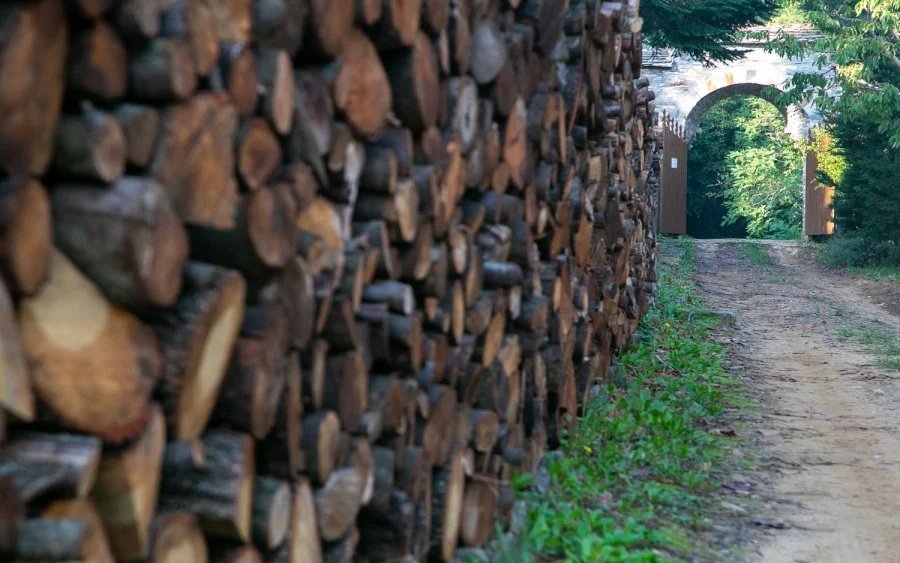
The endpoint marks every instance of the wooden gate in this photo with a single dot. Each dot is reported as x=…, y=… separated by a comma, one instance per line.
x=673, y=179
x=818, y=215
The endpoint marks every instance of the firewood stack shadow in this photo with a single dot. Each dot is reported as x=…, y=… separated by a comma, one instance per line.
x=307, y=280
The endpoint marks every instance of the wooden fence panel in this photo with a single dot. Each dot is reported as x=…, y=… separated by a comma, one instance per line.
x=673, y=171
x=818, y=215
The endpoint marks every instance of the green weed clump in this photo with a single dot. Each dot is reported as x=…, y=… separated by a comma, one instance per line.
x=861, y=252
x=633, y=482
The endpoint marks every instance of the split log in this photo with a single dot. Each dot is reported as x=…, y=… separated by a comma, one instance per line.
x=278, y=24
x=233, y=19
x=59, y=539
x=126, y=238
x=94, y=365
x=196, y=336
x=321, y=432
x=33, y=49
x=90, y=145
x=276, y=79
x=303, y=539
x=491, y=52
x=162, y=71
x=413, y=74
x=193, y=21
x=258, y=154
x=221, y=492
x=39, y=463
x=82, y=510
x=398, y=24
x=127, y=489
x=359, y=86
x=97, y=68
x=16, y=395
x=236, y=75
x=447, y=504
x=328, y=25
x=271, y=511
x=26, y=235
x=195, y=161
x=140, y=124
x=346, y=388
x=176, y=536
x=338, y=503
x=477, y=520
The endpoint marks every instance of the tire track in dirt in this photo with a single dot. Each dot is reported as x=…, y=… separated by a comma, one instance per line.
x=829, y=422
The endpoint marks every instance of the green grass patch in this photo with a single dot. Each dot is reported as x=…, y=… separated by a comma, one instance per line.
x=635, y=481
x=881, y=342
x=756, y=253
x=877, y=273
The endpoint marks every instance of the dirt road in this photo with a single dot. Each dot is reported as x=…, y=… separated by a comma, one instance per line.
x=829, y=424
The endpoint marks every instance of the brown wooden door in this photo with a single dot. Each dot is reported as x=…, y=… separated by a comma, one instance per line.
x=673, y=180
x=818, y=215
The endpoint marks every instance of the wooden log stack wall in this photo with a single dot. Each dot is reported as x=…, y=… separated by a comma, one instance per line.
x=307, y=280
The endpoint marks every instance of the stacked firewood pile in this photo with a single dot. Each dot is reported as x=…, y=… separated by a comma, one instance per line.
x=306, y=280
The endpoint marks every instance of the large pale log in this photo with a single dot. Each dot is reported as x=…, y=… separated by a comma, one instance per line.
x=220, y=492
x=359, y=86
x=176, y=537
x=26, y=234
x=16, y=395
x=195, y=160
x=127, y=488
x=33, y=49
x=57, y=463
x=94, y=364
x=197, y=335
x=126, y=238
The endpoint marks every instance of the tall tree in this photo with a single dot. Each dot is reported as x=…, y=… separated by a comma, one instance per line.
x=706, y=30
x=858, y=56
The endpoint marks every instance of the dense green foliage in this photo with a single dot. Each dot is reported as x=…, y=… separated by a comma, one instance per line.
x=859, y=60
x=632, y=484
x=702, y=29
x=745, y=173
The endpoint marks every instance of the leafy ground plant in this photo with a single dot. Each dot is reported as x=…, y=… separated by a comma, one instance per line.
x=637, y=480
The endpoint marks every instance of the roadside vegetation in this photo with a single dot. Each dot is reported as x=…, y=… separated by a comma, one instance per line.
x=638, y=480
x=883, y=343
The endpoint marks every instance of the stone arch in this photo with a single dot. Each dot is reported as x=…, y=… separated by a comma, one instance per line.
x=795, y=118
